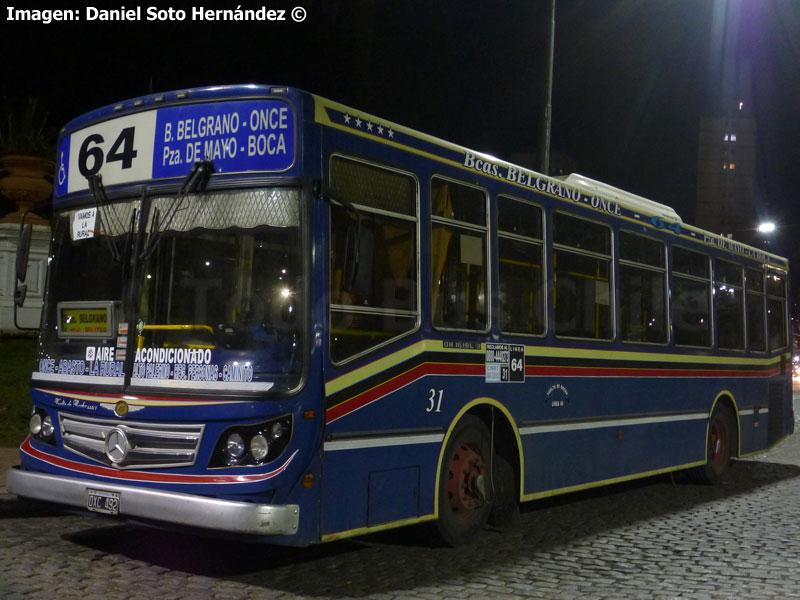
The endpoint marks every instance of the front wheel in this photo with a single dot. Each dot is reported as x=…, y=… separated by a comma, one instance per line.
x=721, y=446
x=465, y=482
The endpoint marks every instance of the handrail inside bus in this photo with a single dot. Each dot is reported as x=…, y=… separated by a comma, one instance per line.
x=180, y=328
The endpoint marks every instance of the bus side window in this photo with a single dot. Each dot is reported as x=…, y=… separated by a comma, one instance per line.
x=776, y=311
x=643, y=289
x=373, y=266
x=729, y=305
x=754, y=286
x=521, y=291
x=582, y=278
x=458, y=256
x=691, y=298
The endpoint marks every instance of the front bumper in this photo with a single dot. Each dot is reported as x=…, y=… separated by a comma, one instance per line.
x=158, y=505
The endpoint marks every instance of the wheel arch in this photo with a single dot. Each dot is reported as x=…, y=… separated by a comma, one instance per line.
x=726, y=398
x=511, y=442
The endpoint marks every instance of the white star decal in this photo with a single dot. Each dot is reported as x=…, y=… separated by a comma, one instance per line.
x=369, y=126
x=358, y=122
x=347, y=119
x=391, y=133
x=380, y=130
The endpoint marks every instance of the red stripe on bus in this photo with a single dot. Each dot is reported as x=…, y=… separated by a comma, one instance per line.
x=391, y=385
x=101, y=471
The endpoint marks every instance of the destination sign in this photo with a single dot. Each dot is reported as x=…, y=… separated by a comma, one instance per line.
x=89, y=319
x=238, y=136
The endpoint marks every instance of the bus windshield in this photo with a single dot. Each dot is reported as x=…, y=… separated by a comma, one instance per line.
x=222, y=282
x=212, y=300
x=87, y=297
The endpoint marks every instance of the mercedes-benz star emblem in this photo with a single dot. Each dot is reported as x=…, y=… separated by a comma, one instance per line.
x=117, y=446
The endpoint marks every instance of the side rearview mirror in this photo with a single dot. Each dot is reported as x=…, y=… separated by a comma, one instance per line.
x=23, y=252
x=19, y=294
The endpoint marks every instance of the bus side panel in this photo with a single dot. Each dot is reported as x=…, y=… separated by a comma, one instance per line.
x=381, y=459
x=572, y=459
x=367, y=487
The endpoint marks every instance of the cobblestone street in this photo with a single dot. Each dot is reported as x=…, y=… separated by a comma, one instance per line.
x=646, y=539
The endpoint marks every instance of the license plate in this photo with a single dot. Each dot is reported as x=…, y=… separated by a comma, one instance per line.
x=102, y=501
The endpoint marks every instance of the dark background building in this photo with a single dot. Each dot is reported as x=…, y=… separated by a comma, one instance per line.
x=726, y=172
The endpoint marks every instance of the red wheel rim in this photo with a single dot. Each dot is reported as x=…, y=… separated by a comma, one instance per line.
x=463, y=483
x=718, y=443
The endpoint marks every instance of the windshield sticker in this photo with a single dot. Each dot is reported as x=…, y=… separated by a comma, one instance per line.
x=100, y=362
x=83, y=224
x=177, y=367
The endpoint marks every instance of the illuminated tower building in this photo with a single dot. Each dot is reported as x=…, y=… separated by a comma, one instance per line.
x=726, y=157
x=726, y=165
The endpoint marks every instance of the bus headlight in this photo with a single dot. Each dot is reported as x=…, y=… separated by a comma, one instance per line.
x=47, y=427
x=35, y=424
x=234, y=448
x=248, y=445
x=276, y=430
x=259, y=448
x=41, y=426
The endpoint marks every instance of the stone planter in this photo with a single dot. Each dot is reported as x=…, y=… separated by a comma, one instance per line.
x=25, y=181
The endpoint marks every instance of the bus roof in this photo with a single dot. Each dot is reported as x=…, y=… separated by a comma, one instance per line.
x=327, y=113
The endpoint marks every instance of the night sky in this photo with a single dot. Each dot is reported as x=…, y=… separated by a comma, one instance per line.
x=632, y=77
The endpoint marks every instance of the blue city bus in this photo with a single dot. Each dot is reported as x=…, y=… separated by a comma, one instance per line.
x=273, y=316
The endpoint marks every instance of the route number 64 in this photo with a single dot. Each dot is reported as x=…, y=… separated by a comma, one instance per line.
x=91, y=157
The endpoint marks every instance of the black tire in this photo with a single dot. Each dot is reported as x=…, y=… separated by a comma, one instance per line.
x=465, y=483
x=721, y=446
x=505, y=510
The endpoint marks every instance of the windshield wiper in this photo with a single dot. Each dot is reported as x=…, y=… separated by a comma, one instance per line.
x=195, y=181
x=110, y=220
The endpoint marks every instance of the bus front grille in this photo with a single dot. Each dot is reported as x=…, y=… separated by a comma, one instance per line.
x=131, y=445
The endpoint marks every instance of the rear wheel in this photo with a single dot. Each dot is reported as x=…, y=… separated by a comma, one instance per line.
x=721, y=446
x=465, y=482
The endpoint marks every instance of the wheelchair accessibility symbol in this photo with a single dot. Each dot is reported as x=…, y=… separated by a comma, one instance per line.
x=62, y=172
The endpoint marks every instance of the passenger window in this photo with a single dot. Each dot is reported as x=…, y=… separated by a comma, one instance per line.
x=729, y=305
x=458, y=256
x=643, y=290
x=521, y=281
x=691, y=298
x=373, y=286
x=755, y=310
x=582, y=278
x=776, y=311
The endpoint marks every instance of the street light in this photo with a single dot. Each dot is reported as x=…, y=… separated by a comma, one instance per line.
x=766, y=227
